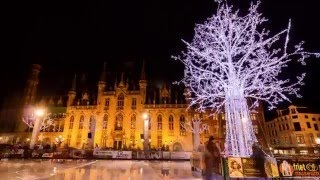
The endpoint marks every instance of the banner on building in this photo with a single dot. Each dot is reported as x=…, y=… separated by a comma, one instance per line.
x=78, y=154
x=252, y=167
x=180, y=155
x=122, y=154
x=299, y=167
x=166, y=155
x=235, y=168
x=47, y=155
x=271, y=167
x=103, y=154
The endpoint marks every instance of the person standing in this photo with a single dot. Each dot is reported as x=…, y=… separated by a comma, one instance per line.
x=211, y=159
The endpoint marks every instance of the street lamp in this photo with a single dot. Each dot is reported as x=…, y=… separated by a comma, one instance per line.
x=318, y=144
x=146, y=120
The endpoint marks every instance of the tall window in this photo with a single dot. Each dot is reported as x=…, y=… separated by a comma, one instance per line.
x=81, y=122
x=133, y=121
x=159, y=141
x=255, y=129
x=104, y=138
x=132, y=139
x=311, y=138
x=308, y=125
x=206, y=131
x=119, y=121
x=215, y=130
x=120, y=101
x=90, y=122
x=300, y=139
x=182, y=123
x=68, y=139
x=78, y=139
x=159, y=127
x=253, y=116
x=105, y=122
x=71, y=122
x=134, y=103
x=107, y=104
x=297, y=126
x=171, y=126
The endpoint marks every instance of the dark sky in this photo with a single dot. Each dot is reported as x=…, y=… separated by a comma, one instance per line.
x=68, y=37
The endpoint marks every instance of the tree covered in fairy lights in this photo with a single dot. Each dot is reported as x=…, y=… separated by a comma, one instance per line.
x=196, y=127
x=231, y=59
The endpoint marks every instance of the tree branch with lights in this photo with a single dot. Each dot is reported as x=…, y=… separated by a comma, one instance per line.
x=231, y=59
x=196, y=127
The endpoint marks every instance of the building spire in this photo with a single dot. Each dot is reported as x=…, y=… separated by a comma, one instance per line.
x=143, y=72
x=74, y=82
x=121, y=84
x=103, y=74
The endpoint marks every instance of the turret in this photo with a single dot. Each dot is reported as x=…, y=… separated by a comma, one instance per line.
x=31, y=86
x=102, y=86
x=29, y=95
x=72, y=92
x=143, y=83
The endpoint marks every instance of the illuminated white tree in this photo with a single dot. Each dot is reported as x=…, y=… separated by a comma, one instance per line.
x=196, y=127
x=46, y=122
x=231, y=59
x=39, y=120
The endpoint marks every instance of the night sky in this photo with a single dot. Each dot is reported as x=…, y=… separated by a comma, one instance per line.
x=68, y=37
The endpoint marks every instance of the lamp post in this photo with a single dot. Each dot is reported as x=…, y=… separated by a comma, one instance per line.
x=36, y=127
x=59, y=140
x=318, y=144
x=146, y=120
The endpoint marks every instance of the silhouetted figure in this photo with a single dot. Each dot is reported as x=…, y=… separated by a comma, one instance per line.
x=211, y=159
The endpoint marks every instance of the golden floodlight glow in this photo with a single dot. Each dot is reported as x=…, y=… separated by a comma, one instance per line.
x=39, y=112
x=145, y=116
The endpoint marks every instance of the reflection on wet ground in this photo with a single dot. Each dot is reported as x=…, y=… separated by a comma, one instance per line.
x=95, y=170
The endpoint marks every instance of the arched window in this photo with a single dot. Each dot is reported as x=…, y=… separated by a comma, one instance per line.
x=119, y=122
x=71, y=122
x=182, y=129
x=81, y=122
x=105, y=122
x=120, y=101
x=171, y=125
x=133, y=122
x=159, y=127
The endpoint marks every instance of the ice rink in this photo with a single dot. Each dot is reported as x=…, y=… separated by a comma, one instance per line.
x=95, y=170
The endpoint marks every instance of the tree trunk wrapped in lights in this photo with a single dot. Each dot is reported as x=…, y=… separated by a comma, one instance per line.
x=39, y=120
x=197, y=127
x=232, y=58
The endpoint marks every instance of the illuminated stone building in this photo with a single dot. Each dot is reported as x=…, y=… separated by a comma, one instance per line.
x=294, y=131
x=115, y=108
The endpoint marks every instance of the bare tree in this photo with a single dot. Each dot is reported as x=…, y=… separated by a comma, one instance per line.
x=232, y=58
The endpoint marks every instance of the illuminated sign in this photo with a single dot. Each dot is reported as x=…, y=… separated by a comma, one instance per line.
x=299, y=167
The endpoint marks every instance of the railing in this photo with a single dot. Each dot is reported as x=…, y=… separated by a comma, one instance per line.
x=150, y=106
x=83, y=107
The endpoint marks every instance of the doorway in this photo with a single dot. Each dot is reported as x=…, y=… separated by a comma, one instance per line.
x=117, y=144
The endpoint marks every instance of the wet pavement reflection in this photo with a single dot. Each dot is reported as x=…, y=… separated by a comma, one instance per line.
x=95, y=170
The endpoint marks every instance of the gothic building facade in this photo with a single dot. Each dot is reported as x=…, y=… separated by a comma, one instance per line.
x=113, y=116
